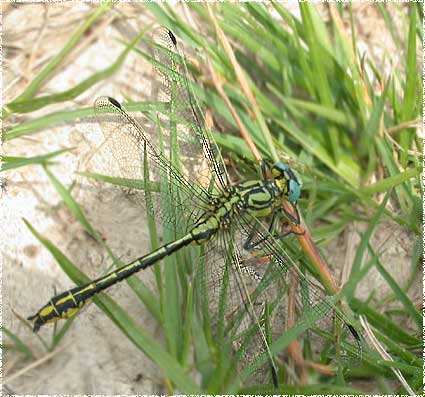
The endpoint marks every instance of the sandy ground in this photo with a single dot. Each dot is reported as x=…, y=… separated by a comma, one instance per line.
x=94, y=357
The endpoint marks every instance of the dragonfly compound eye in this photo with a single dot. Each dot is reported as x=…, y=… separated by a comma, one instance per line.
x=293, y=190
x=281, y=171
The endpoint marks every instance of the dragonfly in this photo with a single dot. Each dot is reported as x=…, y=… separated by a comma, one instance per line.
x=242, y=272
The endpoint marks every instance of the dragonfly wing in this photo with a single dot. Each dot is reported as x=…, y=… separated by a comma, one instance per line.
x=241, y=302
x=138, y=160
x=247, y=297
x=175, y=87
x=315, y=309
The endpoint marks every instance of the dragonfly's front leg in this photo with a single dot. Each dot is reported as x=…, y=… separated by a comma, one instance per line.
x=291, y=218
x=250, y=244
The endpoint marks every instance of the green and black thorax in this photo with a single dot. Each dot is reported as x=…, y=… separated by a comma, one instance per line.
x=258, y=198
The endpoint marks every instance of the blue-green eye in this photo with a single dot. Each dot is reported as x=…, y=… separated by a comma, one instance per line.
x=281, y=170
x=293, y=190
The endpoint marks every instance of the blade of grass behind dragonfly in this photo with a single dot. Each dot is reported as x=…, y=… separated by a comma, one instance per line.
x=153, y=234
x=75, y=208
x=187, y=321
x=399, y=293
x=383, y=323
x=182, y=257
x=398, y=349
x=11, y=162
x=18, y=344
x=269, y=340
x=201, y=326
x=317, y=39
x=349, y=293
x=145, y=185
x=222, y=352
x=385, y=148
x=411, y=97
x=38, y=124
x=39, y=102
x=170, y=303
x=141, y=339
x=348, y=61
x=56, y=60
x=203, y=348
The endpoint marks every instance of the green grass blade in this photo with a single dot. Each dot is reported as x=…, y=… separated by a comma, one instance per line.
x=18, y=344
x=33, y=125
x=77, y=276
x=398, y=349
x=388, y=327
x=392, y=181
x=401, y=296
x=361, y=250
x=59, y=335
x=11, y=162
x=374, y=121
x=412, y=92
x=317, y=40
x=25, y=106
x=187, y=325
x=73, y=206
x=150, y=186
x=56, y=60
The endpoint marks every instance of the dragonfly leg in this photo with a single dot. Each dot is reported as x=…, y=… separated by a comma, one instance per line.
x=288, y=232
x=294, y=219
x=250, y=244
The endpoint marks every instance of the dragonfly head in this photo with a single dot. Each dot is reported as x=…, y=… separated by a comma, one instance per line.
x=286, y=181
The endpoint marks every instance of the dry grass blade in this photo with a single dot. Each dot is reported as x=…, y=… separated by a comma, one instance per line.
x=36, y=363
x=243, y=131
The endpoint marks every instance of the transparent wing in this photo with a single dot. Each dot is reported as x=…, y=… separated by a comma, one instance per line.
x=240, y=300
x=174, y=87
x=169, y=145
x=314, y=307
x=246, y=294
x=138, y=159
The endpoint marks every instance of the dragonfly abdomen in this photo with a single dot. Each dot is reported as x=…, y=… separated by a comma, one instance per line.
x=67, y=304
